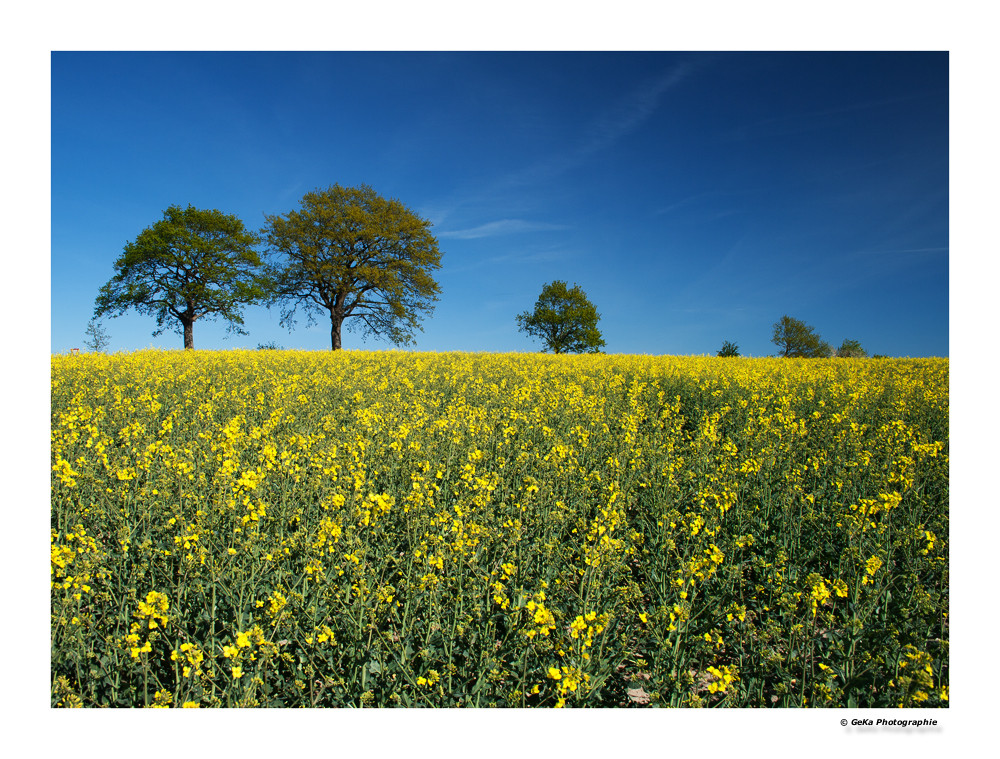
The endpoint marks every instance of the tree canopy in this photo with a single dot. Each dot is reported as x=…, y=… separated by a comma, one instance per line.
x=97, y=337
x=795, y=339
x=191, y=264
x=564, y=319
x=349, y=252
x=728, y=350
x=851, y=349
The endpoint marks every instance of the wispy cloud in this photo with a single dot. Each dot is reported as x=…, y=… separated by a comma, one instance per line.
x=683, y=203
x=608, y=127
x=502, y=227
x=518, y=258
x=634, y=109
x=701, y=202
x=611, y=126
x=533, y=257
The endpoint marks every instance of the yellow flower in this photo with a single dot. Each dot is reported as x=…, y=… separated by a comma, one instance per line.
x=162, y=699
x=237, y=672
x=144, y=649
x=432, y=677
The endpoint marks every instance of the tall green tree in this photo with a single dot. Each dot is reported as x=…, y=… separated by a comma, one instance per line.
x=349, y=252
x=728, y=350
x=564, y=319
x=796, y=339
x=97, y=337
x=189, y=265
x=851, y=349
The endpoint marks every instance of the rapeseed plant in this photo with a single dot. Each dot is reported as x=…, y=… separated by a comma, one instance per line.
x=380, y=529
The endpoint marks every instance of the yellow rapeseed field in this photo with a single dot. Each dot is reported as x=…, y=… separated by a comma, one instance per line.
x=282, y=528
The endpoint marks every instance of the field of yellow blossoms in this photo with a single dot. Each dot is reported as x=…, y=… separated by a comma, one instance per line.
x=281, y=528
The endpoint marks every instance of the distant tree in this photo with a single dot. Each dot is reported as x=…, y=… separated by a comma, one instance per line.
x=191, y=264
x=795, y=339
x=729, y=350
x=349, y=252
x=851, y=349
x=269, y=346
x=564, y=319
x=98, y=338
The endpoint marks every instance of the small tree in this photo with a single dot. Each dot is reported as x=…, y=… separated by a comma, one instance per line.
x=851, y=349
x=99, y=339
x=349, y=252
x=190, y=264
x=564, y=319
x=729, y=350
x=795, y=339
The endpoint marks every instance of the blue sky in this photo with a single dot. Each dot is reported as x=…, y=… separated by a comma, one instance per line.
x=695, y=197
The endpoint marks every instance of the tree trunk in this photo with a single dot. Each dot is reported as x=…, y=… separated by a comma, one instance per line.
x=189, y=334
x=335, y=324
